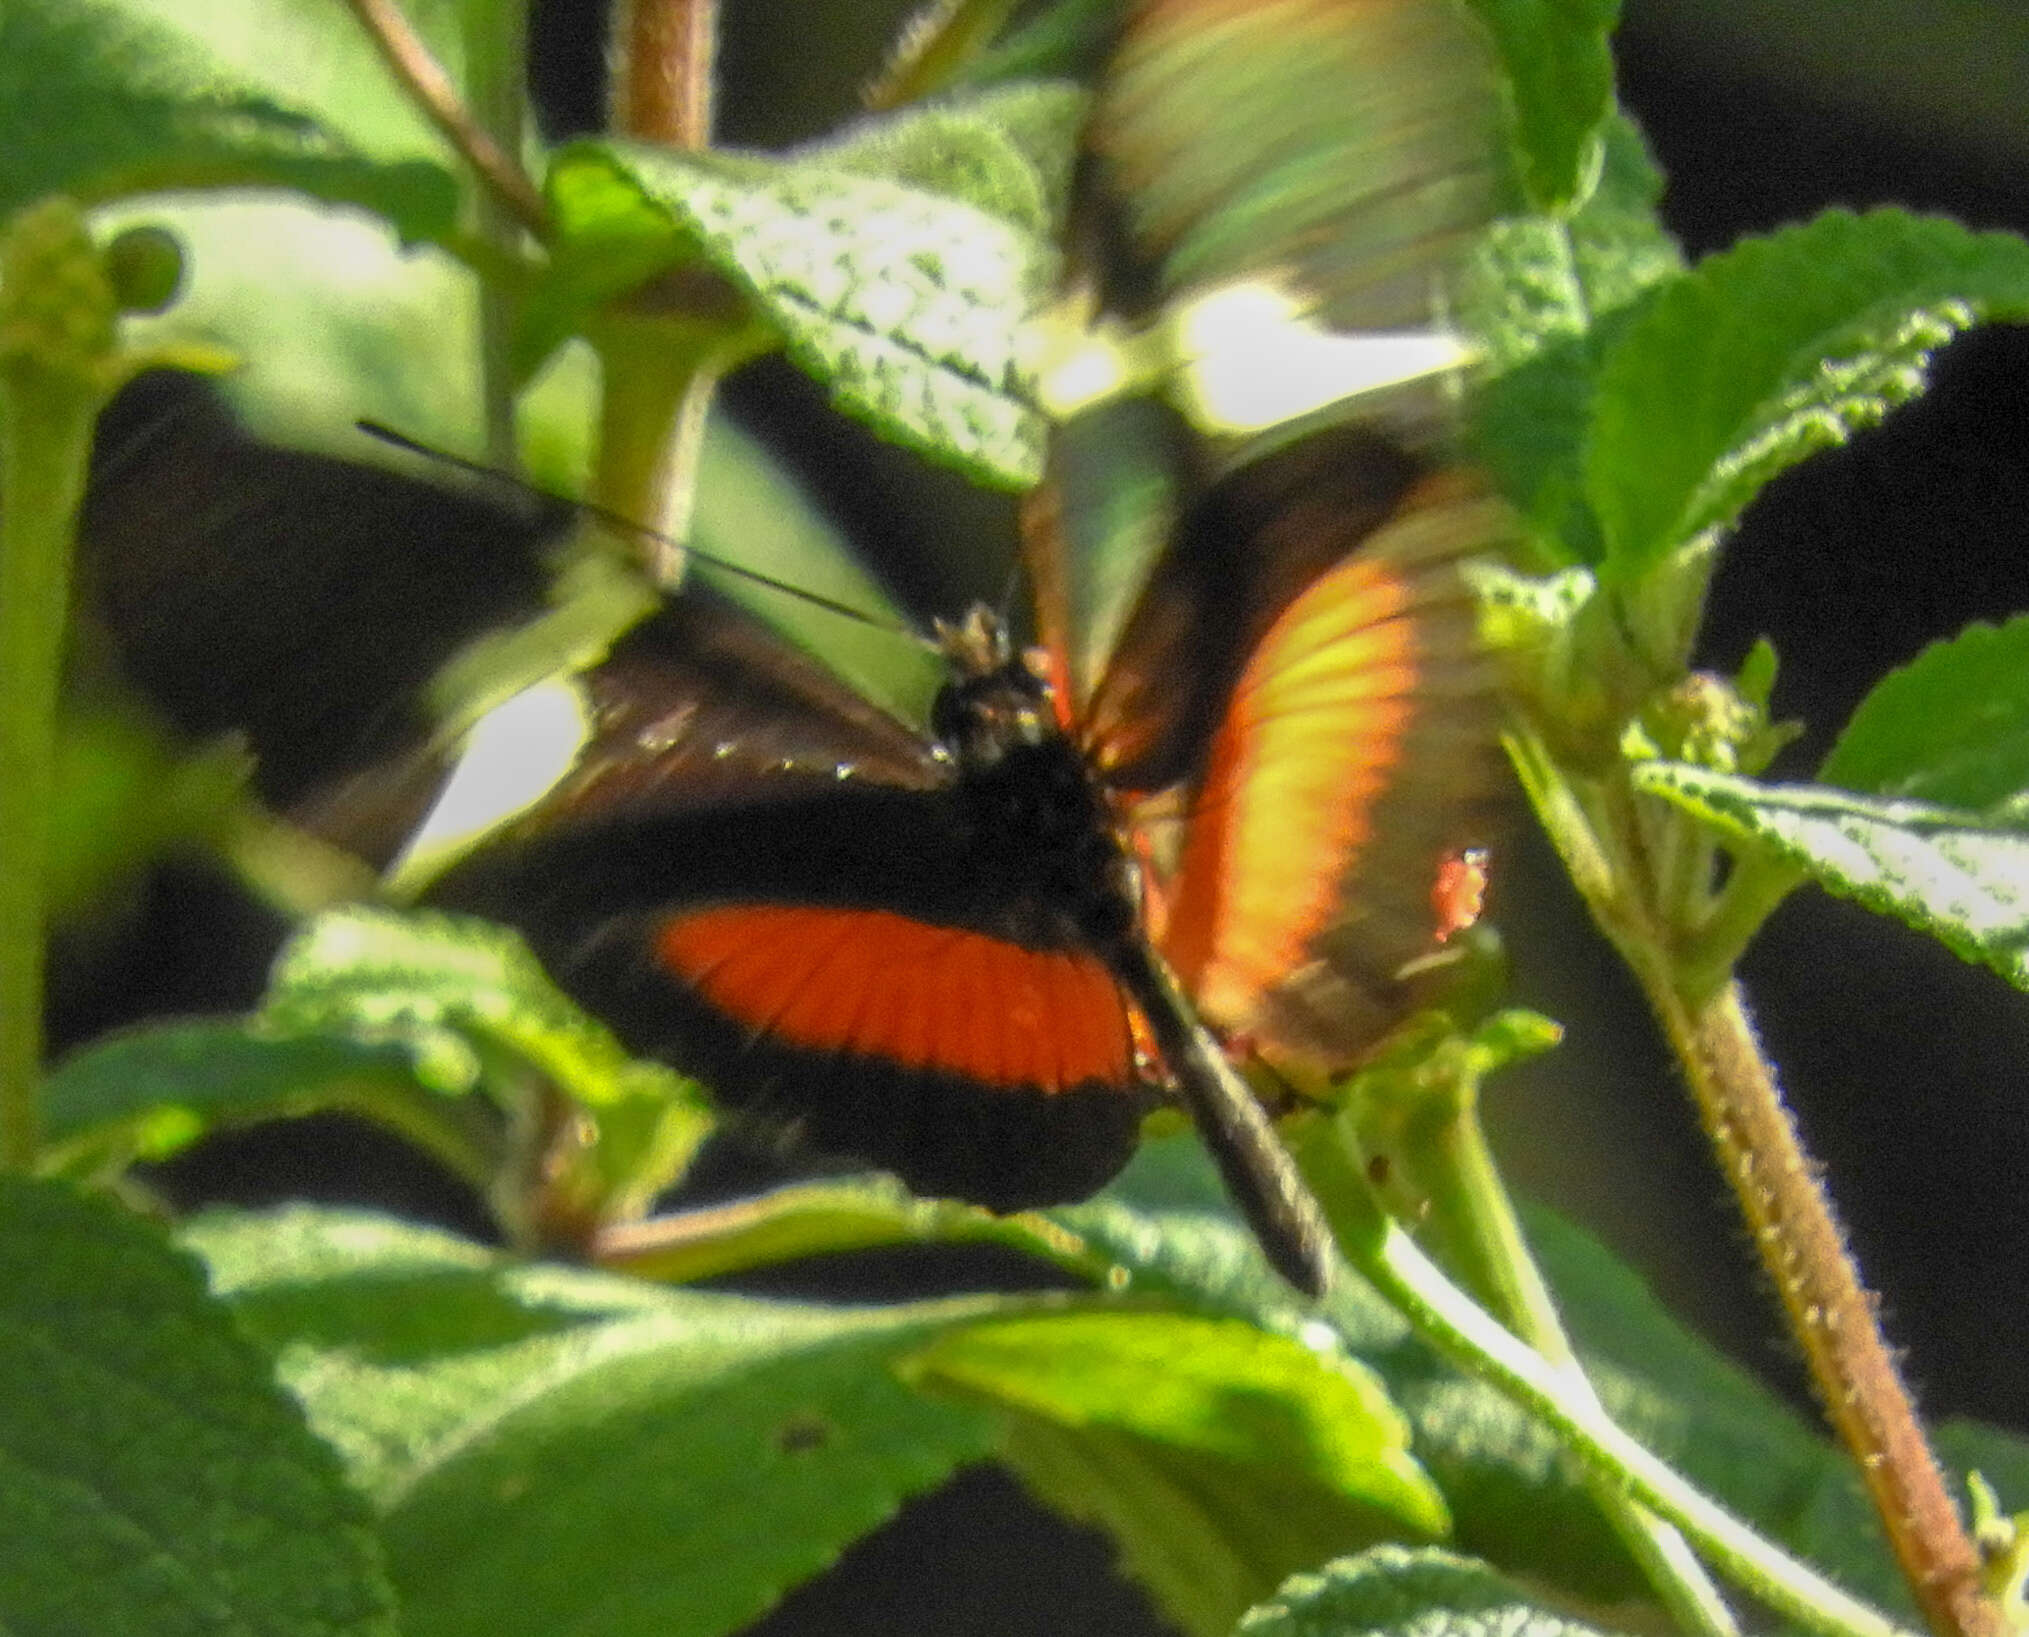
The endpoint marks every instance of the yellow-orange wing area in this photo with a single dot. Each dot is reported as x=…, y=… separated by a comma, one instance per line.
x=1356, y=753
x=909, y=995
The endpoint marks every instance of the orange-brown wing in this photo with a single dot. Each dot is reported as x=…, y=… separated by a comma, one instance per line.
x=1356, y=751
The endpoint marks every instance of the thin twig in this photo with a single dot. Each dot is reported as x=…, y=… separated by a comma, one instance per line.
x=662, y=85
x=1830, y=1313
x=410, y=61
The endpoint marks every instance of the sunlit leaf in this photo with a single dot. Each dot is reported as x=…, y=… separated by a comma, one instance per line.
x=105, y=98
x=553, y=1449
x=907, y=305
x=1960, y=878
x=1393, y=1592
x=1221, y=1457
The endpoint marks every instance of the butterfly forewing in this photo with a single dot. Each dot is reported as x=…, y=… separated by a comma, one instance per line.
x=1357, y=752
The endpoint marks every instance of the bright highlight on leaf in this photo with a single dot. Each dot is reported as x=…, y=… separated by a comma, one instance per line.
x=512, y=755
x=1251, y=356
x=1941, y=870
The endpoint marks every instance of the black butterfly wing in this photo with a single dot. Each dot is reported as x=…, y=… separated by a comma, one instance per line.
x=759, y=878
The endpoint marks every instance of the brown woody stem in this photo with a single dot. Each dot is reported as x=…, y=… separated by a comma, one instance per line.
x=1830, y=1313
x=662, y=87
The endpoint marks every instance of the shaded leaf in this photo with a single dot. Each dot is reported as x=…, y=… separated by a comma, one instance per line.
x=1395, y=1592
x=1221, y=1457
x=554, y=1449
x=103, y=98
x=1777, y=347
x=153, y=1478
x=1560, y=86
x=1544, y=297
x=1951, y=727
x=907, y=305
x=1960, y=878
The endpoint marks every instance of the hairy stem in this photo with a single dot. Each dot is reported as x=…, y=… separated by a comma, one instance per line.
x=938, y=41
x=411, y=62
x=1830, y=1312
x=662, y=80
x=1786, y=1209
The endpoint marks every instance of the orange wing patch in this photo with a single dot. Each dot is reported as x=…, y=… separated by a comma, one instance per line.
x=1308, y=742
x=1360, y=730
x=919, y=997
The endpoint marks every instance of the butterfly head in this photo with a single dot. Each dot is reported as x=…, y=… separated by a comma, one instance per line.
x=995, y=699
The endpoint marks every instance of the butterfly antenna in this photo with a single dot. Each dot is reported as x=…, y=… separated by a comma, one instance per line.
x=627, y=526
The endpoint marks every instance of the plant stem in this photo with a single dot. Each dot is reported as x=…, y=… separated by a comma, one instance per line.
x=411, y=63
x=57, y=338
x=42, y=474
x=1444, y=1315
x=662, y=81
x=1442, y=1151
x=651, y=438
x=1830, y=1313
x=1786, y=1209
x=495, y=33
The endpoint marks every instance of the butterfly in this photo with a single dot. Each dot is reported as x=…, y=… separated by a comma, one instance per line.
x=1209, y=813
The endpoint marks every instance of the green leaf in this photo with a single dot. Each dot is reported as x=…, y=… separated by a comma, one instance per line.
x=1394, y=1592
x=448, y=986
x=1544, y=297
x=1067, y=39
x=1951, y=727
x=1560, y=88
x=153, y=1091
x=1008, y=151
x=1219, y=1456
x=804, y=1220
x=104, y=98
x=1775, y=348
x=1952, y=874
x=153, y=1479
x=907, y=305
x=553, y=1449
